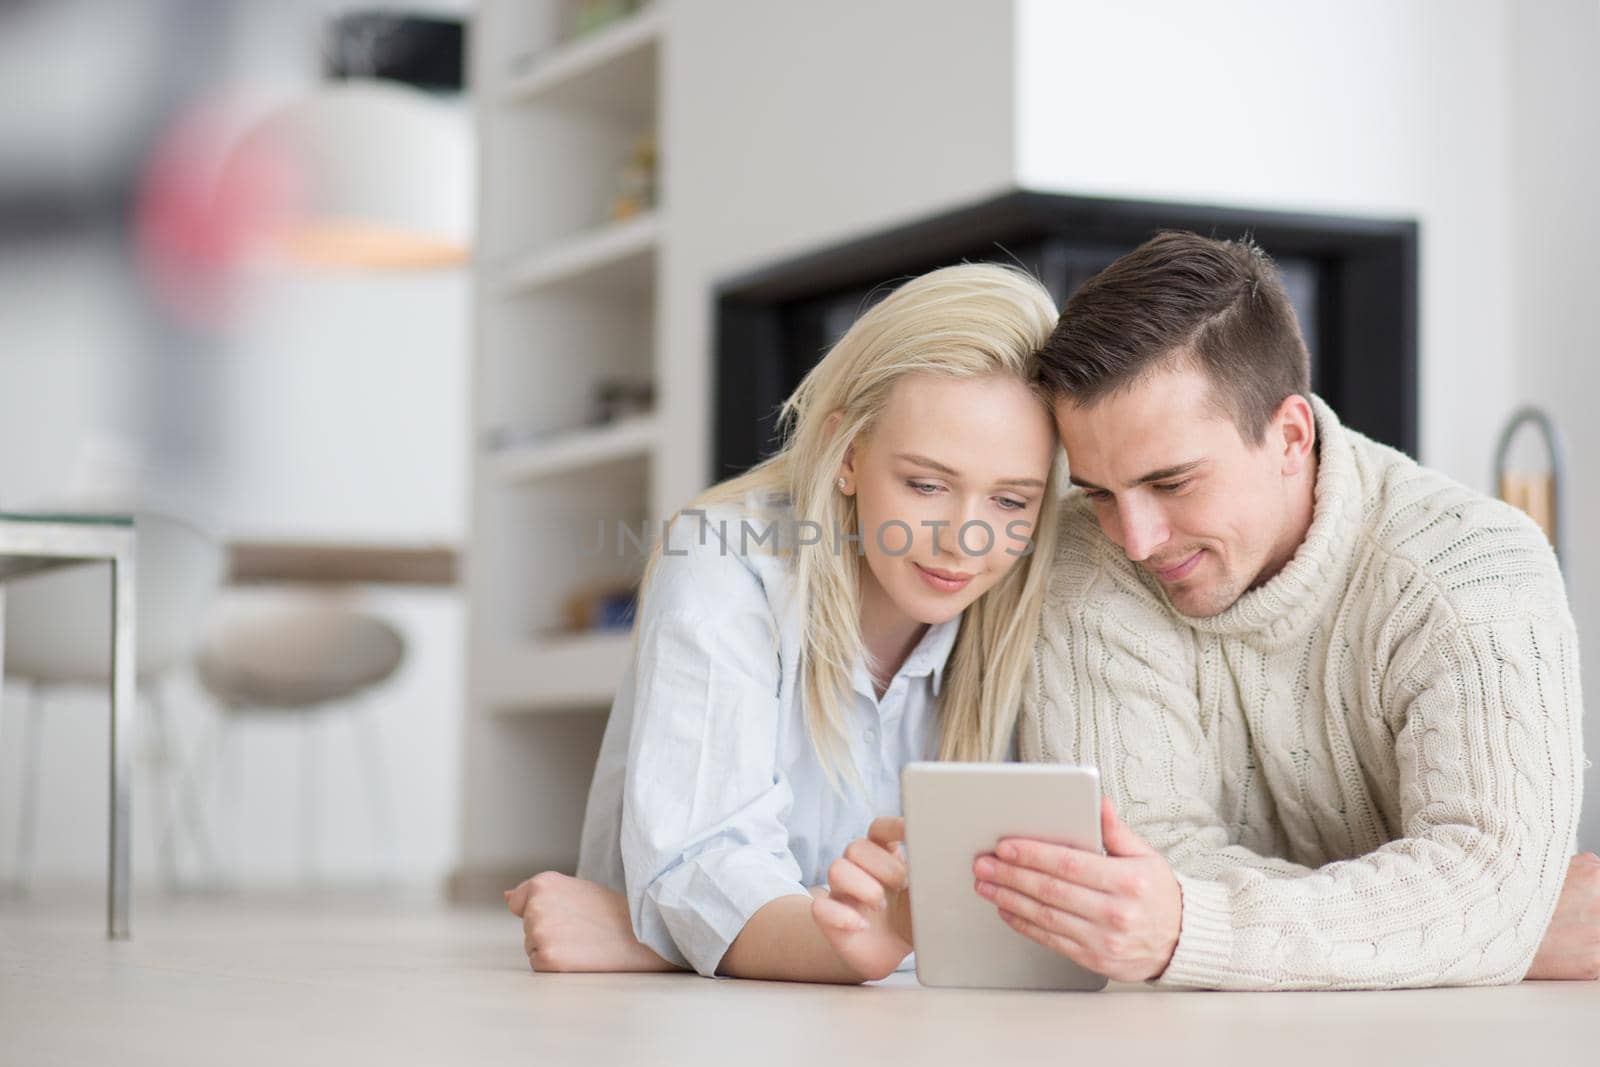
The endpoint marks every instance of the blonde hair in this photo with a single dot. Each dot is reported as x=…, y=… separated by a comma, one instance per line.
x=968, y=321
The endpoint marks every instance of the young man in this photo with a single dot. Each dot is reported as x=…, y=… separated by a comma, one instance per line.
x=1333, y=695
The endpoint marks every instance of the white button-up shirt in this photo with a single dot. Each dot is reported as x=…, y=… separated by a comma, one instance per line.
x=709, y=799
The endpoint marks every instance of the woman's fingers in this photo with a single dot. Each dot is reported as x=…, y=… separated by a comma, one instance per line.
x=846, y=879
x=826, y=911
x=886, y=866
x=517, y=899
x=887, y=830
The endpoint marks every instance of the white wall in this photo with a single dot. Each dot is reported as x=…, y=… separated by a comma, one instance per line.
x=1378, y=107
x=793, y=127
x=1555, y=274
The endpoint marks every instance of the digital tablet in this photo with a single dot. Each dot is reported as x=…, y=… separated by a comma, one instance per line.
x=956, y=812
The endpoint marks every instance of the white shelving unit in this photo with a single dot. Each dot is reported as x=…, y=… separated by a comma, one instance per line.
x=566, y=302
x=607, y=70
x=555, y=674
x=619, y=257
x=573, y=451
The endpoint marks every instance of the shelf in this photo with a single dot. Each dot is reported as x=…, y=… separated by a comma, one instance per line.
x=575, y=450
x=619, y=257
x=612, y=70
x=559, y=673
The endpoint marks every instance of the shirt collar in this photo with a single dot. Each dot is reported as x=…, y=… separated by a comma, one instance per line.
x=929, y=657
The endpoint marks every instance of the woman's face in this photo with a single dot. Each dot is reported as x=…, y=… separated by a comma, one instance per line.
x=948, y=485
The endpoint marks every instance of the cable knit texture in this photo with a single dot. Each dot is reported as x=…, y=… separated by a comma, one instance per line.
x=1366, y=772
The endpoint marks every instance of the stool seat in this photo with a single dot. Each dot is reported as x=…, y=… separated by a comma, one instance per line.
x=298, y=658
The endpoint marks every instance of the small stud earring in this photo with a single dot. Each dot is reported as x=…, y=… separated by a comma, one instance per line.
x=841, y=485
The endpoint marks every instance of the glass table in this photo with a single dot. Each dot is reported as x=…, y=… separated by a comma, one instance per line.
x=34, y=542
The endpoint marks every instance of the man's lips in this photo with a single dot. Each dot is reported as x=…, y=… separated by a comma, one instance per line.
x=1180, y=570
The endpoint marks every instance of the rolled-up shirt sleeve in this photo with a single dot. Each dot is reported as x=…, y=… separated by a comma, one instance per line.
x=704, y=838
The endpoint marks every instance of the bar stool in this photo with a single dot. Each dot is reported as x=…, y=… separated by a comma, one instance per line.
x=307, y=660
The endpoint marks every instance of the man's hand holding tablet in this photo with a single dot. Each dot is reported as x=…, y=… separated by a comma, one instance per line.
x=1115, y=914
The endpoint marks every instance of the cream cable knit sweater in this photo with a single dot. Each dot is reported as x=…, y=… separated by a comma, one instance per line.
x=1366, y=772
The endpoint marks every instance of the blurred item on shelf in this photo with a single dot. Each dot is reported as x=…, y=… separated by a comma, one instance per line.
x=586, y=16
x=614, y=399
x=636, y=181
x=617, y=398
x=601, y=607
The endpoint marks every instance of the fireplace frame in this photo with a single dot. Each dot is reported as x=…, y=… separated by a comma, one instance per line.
x=1366, y=298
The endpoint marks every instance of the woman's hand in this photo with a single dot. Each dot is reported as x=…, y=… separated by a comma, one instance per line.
x=866, y=913
x=572, y=925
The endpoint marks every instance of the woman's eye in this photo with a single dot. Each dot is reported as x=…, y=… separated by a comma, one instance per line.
x=925, y=488
x=1008, y=504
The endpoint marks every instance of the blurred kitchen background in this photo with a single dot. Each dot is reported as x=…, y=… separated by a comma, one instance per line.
x=377, y=313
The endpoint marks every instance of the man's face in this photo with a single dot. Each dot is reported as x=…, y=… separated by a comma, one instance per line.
x=1176, y=487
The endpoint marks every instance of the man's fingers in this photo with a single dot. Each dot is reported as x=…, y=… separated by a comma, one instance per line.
x=1119, y=840
x=517, y=899
x=1061, y=861
x=1080, y=929
x=886, y=830
x=1047, y=889
x=884, y=865
x=1058, y=943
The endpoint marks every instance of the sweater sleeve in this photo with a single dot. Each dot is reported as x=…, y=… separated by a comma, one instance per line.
x=1489, y=751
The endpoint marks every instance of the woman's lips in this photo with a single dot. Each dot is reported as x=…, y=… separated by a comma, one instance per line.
x=943, y=581
x=1182, y=570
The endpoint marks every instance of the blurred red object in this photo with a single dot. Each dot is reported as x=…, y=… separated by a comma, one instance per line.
x=204, y=200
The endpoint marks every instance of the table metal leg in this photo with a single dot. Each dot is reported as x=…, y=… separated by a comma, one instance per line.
x=124, y=709
x=2, y=664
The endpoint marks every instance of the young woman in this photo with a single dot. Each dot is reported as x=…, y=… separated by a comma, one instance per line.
x=867, y=597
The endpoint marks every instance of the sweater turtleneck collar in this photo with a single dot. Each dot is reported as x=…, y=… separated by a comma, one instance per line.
x=1296, y=596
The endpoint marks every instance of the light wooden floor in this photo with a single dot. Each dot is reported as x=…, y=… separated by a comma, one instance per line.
x=354, y=980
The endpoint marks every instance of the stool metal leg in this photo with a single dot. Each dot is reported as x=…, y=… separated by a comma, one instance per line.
x=378, y=795
x=181, y=783
x=309, y=743
x=161, y=739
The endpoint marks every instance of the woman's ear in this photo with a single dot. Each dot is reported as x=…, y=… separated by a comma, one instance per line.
x=845, y=481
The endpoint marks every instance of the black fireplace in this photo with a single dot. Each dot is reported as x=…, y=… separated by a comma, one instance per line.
x=1353, y=281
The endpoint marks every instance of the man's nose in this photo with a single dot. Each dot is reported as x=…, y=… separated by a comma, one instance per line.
x=1144, y=530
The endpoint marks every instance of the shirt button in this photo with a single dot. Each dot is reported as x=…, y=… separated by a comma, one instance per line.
x=870, y=735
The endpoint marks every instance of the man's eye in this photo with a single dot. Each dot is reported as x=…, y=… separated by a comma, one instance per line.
x=1099, y=496
x=1173, y=487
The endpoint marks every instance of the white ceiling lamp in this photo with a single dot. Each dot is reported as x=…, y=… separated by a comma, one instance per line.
x=369, y=175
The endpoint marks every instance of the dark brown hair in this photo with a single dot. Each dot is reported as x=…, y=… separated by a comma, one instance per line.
x=1180, y=295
